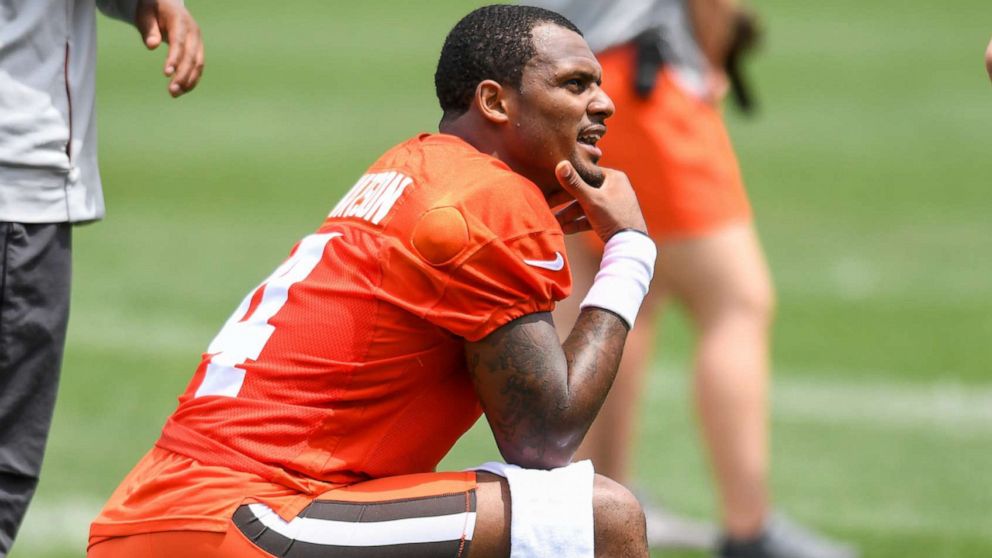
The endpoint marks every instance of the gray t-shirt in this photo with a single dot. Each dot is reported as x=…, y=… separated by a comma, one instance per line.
x=607, y=23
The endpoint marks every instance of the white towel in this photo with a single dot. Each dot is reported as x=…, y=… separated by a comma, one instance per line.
x=551, y=510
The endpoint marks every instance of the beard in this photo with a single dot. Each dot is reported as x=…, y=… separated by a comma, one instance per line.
x=590, y=172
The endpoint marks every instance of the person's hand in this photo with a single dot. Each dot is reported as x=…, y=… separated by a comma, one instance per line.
x=988, y=59
x=716, y=86
x=170, y=21
x=606, y=210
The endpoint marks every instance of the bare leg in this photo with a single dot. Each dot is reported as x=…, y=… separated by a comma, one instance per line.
x=723, y=281
x=492, y=525
x=617, y=519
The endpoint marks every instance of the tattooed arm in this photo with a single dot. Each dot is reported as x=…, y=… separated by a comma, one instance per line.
x=540, y=395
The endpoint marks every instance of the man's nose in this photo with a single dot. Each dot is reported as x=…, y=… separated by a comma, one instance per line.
x=601, y=104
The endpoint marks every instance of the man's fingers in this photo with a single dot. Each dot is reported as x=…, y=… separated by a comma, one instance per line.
x=147, y=23
x=570, y=213
x=569, y=178
x=579, y=225
x=168, y=21
x=175, y=35
x=560, y=198
x=197, y=71
x=572, y=218
x=182, y=80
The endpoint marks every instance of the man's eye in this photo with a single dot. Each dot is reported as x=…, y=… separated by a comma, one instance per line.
x=575, y=85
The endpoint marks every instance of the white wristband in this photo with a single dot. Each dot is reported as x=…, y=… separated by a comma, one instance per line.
x=624, y=275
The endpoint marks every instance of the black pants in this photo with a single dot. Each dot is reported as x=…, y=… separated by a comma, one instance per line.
x=35, y=270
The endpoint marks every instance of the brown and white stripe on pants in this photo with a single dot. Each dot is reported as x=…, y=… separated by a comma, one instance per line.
x=426, y=527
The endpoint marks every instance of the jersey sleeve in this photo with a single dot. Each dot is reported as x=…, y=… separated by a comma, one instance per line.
x=480, y=262
x=496, y=284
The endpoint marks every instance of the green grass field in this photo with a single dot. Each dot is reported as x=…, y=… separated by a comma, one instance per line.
x=869, y=169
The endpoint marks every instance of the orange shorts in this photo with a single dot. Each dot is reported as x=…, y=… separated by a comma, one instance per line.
x=676, y=151
x=430, y=514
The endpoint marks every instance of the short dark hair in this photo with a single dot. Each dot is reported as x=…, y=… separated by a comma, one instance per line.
x=493, y=42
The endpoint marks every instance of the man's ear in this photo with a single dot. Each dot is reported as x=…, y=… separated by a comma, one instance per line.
x=490, y=97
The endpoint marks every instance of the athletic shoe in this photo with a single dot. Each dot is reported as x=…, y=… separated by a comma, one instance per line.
x=783, y=538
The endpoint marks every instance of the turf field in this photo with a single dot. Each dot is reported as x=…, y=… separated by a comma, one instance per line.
x=869, y=170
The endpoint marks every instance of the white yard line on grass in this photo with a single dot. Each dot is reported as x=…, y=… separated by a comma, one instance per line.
x=949, y=408
x=912, y=523
x=944, y=407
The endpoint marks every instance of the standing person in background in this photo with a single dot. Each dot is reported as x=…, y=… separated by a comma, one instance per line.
x=48, y=181
x=666, y=64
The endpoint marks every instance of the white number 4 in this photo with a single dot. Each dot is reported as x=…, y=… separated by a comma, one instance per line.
x=247, y=330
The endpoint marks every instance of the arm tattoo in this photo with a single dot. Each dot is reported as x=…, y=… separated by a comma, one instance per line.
x=538, y=397
x=593, y=350
x=515, y=359
x=598, y=335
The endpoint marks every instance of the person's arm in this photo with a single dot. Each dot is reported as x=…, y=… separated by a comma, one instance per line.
x=988, y=59
x=726, y=31
x=540, y=395
x=169, y=21
x=713, y=25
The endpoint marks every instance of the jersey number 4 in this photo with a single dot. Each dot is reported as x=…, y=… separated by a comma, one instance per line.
x=248, y=330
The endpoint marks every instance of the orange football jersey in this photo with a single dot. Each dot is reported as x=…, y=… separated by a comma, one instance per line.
x=347, y=363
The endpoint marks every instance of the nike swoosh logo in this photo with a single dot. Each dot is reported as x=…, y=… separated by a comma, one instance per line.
x=551, y=265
